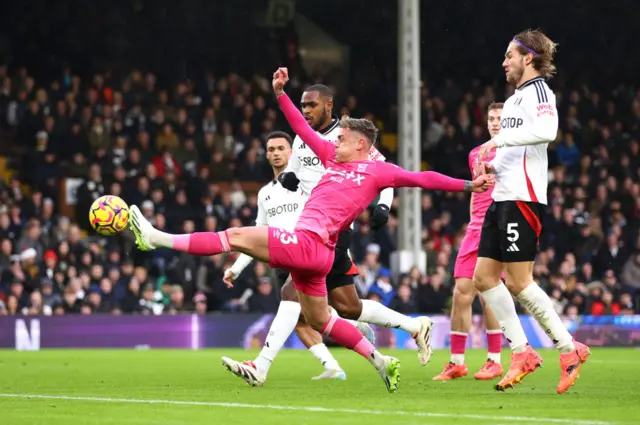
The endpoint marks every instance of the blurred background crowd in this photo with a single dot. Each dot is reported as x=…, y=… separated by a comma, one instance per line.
x=186, y=143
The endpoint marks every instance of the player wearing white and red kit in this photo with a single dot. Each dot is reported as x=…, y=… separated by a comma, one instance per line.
x=349, y=186
x=512, y=225
x=464, y=292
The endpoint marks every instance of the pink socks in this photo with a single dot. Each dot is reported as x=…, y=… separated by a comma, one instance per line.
x=494, y=341
x=458, y=342
x=202, y=243
x=345, y=334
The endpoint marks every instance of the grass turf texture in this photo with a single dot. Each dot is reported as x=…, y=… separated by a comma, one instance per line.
x=192, y=387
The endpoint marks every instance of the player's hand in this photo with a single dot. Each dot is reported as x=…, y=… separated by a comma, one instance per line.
x=485, y=149
x=228, y=278
x=482, y=167
x=380, y=216
x=289, y=181
x=483, y=183
x=280, y=78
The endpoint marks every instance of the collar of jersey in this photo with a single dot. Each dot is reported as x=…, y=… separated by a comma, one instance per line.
x=529, y=82
x=334, y=123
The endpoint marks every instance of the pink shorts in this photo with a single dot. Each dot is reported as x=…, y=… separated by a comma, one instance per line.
x=303, y=254
x=468, y=255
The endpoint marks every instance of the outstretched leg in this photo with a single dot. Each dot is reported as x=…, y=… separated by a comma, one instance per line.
x=253, y=241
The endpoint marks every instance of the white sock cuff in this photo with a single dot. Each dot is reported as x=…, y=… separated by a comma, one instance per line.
x=290, y=307
x=365, y=313
x=317, y=347
x=527, y=292
x=458, y=333
x=494, y=331
x=497, y=288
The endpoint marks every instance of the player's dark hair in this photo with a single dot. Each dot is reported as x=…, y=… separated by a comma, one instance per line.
x=364, y=126
x=322, y=89
x=279, y=135
x=541, y=47
x=495, y=105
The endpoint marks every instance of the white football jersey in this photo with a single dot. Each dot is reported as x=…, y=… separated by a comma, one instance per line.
x=306, y=164
x=279, y=207
x=529, y=122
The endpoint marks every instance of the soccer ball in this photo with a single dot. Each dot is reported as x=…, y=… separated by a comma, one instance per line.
x=109, y=215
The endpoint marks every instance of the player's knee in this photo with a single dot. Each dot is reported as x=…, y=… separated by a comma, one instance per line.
x=464, y=293
x=516, y=286
x=317, y=321
x=519, y=276
x=483, y=281
x=235, y=236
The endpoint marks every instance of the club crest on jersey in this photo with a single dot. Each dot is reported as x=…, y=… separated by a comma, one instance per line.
x=340, y=176
x=362, y=168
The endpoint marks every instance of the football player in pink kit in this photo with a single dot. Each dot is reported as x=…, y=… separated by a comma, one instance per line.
x=464, y=292
x=350, y=184
x=512, y=225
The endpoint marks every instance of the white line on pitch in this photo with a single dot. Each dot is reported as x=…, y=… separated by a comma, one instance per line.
x=307, y=409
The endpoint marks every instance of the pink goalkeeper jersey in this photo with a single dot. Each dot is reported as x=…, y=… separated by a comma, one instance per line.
x=481, y=201
x=348, y=188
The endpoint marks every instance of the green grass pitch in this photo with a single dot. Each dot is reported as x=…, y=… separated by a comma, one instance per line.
x=63, y=387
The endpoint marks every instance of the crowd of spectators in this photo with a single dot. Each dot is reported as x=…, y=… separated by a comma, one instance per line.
x=187, y=153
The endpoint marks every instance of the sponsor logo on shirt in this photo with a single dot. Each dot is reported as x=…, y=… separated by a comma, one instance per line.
x=509, y=122
x=310, y=161
x=282, y=209
x=545, y=109
x=340, y=176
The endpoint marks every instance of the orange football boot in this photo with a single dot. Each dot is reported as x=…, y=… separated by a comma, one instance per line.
x=452, y=371
x=571, y=363
x=489, y=370
x=522, y=364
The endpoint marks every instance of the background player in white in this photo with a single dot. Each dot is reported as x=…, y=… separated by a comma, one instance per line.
x=512, y=226
x=279, y=207
x=305, y=170
x=464, y=292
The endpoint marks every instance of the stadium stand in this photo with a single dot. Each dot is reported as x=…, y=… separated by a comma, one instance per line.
x=190, y=152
